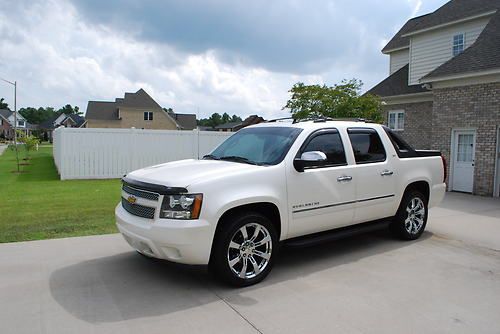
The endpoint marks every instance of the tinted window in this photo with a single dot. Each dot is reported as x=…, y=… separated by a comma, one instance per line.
x=399, y=144
x=330, y=144
x=366, y=145
x=260, y=145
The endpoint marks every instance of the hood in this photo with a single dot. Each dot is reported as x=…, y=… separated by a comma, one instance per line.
x=186, y=172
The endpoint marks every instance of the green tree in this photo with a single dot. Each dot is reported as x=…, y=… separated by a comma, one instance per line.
x=216, y=119
x=68, y=109
x=30, y=142
x=3, y=104
x=225, y=118
x=340, y=101
x=236, y=118
x=37, y=116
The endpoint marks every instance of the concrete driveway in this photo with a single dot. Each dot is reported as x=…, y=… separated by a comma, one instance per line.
x=448, y=281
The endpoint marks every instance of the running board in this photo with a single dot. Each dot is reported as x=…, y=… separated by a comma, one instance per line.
x=339, y=233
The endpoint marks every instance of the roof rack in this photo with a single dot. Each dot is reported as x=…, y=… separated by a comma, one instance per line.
x=319, y=119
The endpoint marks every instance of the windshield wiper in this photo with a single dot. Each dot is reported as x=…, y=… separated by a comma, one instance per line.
x=238, y=159
x=211, y=157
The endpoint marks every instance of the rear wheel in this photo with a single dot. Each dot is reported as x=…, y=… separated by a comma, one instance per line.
x=244, y=249
x=411, y=218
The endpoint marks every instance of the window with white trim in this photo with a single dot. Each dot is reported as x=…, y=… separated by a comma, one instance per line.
x=148, y=115
x=20, y=122
x=458, y=44
x=396, y=120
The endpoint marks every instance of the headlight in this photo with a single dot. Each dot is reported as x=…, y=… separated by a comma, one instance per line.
x=186, y=206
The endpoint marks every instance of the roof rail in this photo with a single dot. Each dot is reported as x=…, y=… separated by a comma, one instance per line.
x=280, y=119
x=320, y=119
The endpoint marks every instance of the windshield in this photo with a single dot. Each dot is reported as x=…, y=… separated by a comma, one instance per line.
x=259, y=146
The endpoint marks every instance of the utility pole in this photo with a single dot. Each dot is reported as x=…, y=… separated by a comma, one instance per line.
x=15, y=119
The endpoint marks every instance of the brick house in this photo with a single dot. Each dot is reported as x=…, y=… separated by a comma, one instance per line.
x=7, y=124
x=443, y=90
x=137, y=110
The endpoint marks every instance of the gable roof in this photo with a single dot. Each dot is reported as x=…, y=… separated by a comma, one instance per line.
x=398, y=41
x=77, y=119
x=397, y=84
x=49, y=124
x=139, y=99
x=483, y=55
x=5, y=113
x=453, y=10
x=104, y=110
x=185, y=121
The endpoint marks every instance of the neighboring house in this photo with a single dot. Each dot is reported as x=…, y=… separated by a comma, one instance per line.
x=7, y=124
x=228, y=127
x=235, y=126
x=135, y=110
x=185, y=121
x=67, y=120
x=205, y=128
x=443, y=90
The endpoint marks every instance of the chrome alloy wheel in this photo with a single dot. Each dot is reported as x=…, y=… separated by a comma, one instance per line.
x=249, y=251
x=416, y=215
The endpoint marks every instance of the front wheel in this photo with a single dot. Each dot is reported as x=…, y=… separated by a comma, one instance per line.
x=244, y=249
x=411, y=218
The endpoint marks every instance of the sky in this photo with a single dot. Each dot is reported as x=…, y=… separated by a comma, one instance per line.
x=202, y=57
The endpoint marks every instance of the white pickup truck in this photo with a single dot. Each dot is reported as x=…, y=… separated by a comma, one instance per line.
x=275, y=183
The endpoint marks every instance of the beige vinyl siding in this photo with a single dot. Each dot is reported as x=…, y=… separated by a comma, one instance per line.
x=431, y=49
x=398, y=59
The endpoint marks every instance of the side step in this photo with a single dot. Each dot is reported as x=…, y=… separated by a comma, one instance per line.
x=339, y=233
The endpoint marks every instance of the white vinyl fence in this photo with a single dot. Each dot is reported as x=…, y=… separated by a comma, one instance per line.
x=111, y=153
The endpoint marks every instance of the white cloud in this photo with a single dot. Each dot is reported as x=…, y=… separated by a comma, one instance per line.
x=59, y=57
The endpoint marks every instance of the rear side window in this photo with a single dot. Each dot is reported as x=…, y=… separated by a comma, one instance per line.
x=367, y=146
x=330, y=144
x=403, y=149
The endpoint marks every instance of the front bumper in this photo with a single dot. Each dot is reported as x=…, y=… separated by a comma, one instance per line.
x=183, y=241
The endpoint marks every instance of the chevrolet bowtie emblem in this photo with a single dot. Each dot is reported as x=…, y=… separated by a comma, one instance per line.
x=132, y=199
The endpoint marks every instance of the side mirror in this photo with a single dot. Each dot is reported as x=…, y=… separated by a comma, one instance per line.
x=308, y=159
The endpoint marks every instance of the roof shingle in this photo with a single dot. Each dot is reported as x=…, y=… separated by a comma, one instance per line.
x=397, y=84
x=451, y=11
x=401, y=42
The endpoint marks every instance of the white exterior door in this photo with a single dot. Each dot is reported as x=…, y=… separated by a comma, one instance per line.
x=464, y=147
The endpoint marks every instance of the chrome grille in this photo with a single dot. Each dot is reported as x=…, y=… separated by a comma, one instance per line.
x=138, y=210
x=141, y=193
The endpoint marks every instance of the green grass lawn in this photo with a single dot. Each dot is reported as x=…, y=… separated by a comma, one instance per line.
x=37, y=205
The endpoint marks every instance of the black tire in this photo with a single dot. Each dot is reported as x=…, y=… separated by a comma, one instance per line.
x=406, y=224
x=222, y=253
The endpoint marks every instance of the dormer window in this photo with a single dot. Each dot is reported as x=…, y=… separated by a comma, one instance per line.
x=458, y=44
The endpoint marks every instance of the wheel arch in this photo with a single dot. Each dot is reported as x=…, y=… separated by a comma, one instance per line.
x=421, y=185
x=266, y=208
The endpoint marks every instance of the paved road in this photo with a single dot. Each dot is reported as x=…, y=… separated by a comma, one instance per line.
x=448, y=281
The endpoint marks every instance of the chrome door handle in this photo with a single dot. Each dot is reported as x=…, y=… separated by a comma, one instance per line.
x=387, y=172
x=344, y=178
